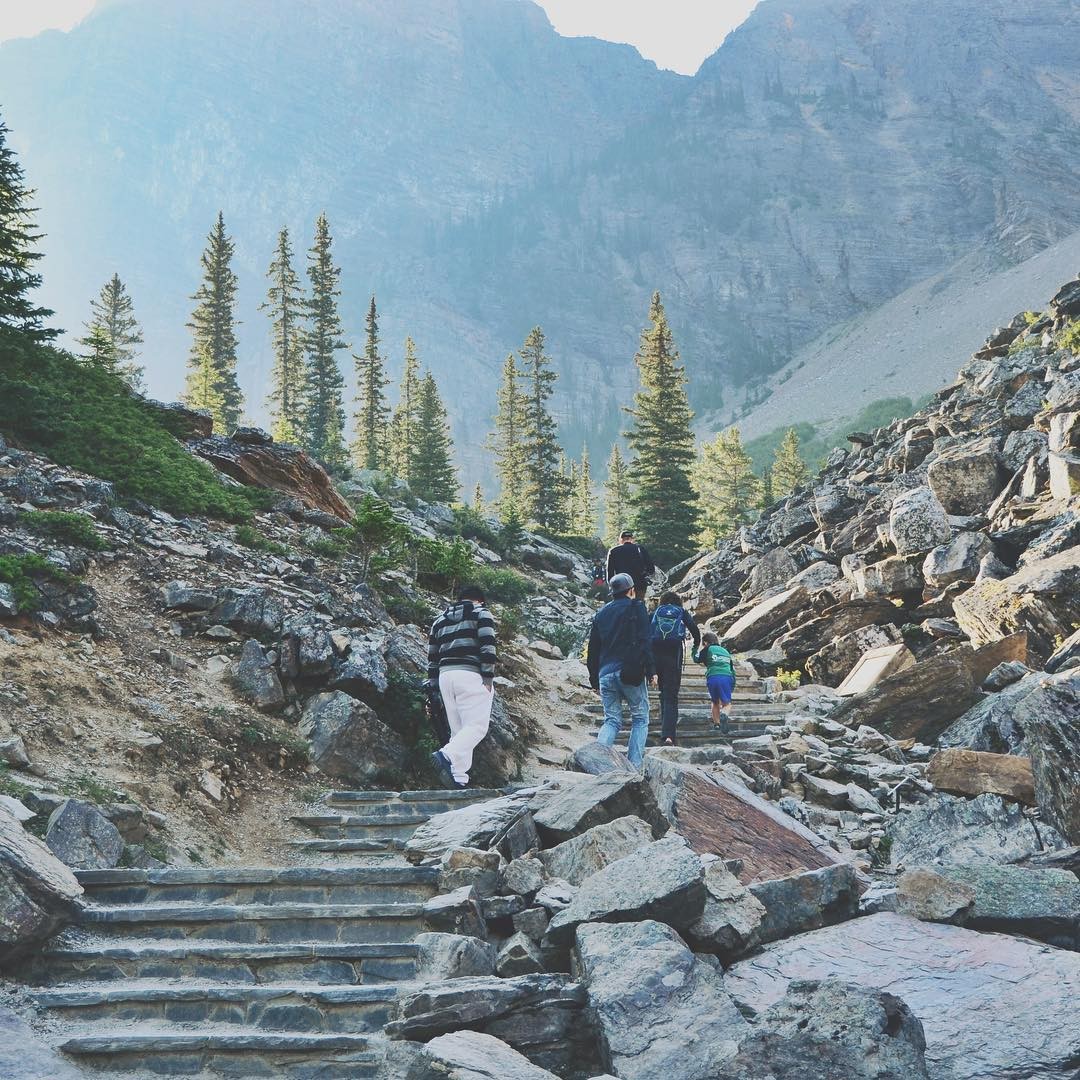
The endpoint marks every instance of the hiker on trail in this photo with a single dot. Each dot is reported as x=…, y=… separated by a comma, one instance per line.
x=461, y=661
x=627, y=557
x=621, y=665
x=670, y=623
x=599, y=578
x=719, y=678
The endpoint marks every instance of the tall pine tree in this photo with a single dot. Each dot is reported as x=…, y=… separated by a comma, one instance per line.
x=212, y=383
x=18, y=253
x=507, y=442
x=789, y=470
x=616, y=496
x=584, y=521
x=726, y=483
x=433, y=475
x=403, y=423
x=664, y=505
x=372, y=412
x=286, y=307
x=323, y=432
x=113, y=333
x=544, y=495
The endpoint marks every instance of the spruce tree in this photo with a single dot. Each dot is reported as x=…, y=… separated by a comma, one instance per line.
x=544, y=495
x=616, y=496
x=212, y=381
x=726, y=484
x=478, y=499
x=665, y=511
x=789, y=470
x=433, y=475
x=766, y=495
x=404, y=421
x=113, y=323
x=286, y=307
x=323, y=433
x=507, y=442
x=584, y=521
x=372, y=412
x=18, y=254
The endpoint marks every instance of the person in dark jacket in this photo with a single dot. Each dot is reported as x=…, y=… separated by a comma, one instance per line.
x=627, y=557
x=670, y=624
x=618, y=649
x=461, y=661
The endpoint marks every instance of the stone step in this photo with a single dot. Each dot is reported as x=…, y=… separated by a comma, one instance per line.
x=360, y=826
x=354, y=846
x=224, y=1052
x=712, y=738
x=221, y=961
x=293, y=1007
x=258, y=923
x=261, y=885
x=703, y=708
x=409, y=803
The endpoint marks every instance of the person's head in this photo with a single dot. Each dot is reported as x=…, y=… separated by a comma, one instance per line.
x=473, y=593
x=709, y=638
x=621, y=585
x=626, y=536
x=671, y=598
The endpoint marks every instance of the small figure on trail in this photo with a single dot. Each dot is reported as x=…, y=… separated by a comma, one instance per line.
x=628, y=557
x=621, y=665
x=719, y=678
x=599, y=578
x=461, y=662
x=670, y=623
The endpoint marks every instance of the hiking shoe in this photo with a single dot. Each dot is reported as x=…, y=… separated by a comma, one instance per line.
x=442, y=767
x=669, y=742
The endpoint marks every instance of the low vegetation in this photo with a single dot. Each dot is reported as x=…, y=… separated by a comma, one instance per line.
x=64, y=527
x=19, y=571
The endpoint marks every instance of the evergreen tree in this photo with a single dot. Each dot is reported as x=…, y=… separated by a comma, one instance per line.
x=286, y=306
x=323, y=432
x=18, y=238
x=212, y=381
x=665, y=509
x=512, y=533
x=403, y=423
x=583, y=522
x=507, y=442
x=113, y=333
x=544, y=495
x=726, y=484
x=789, y=470
x=372, y=412
x=767, y=498
x=478, y=499
x=616, y=496
x=433, y=475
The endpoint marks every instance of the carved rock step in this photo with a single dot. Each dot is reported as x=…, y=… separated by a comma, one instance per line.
x=386, y=845
x=707, y=737
x=361, y=826
x=258, y=885
x=408, y=803
x=323, y=964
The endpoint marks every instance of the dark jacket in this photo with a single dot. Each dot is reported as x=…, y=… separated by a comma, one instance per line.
x=632, y=559
x=462, y=637
x=612, y=640
x=677, y=643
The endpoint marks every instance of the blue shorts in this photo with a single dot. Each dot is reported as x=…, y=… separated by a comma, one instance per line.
x=720, y=688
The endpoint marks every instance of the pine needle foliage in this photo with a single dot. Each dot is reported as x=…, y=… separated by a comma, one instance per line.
x=507, y=442
x=372, y=411
x=664, y=506
x=544, y=494
x=433, y=475
x=113, y=334
x=789, y=470
x=403, y=423
x=616, y=496
x=286, y=307
x=729, y=490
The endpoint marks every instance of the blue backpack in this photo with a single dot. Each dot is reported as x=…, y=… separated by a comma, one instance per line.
x=668, y=623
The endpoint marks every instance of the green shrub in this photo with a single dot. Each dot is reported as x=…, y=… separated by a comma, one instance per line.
x=65, y=527
x=473, y=526
x=789, y=680
x=570, y=639
x=376, y=537
x=1069, y=338
x=502, y=586
x=409, y=609
x=588, y=547
x=86, y=418
x=509, y=623
x=18, y=571
x=445, y=565
x=250, y=537
x=327, y=547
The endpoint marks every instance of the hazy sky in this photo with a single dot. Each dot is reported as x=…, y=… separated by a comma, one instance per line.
x=677, y=34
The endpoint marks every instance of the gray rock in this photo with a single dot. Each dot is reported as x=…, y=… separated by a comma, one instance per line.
x=456, y=912
x=257, y=680
x=817, y=575
x=532, y=922
x=581, y=856
x=470, y=826
x=949, y=831
x=831, y=664
x=663, y=881
x=771, y=572
x=898, y=576
x=362, y=670
x=519, y=956
x=26, y=1055
x=967, y=479
x=917, y=522
x=596, y=759
x=257, y=611
x=471, y=1055
x=1066, y=655
x=958, y=560
x=999, y=722
x=661, y=1011
x=524, y=876
x=1005, y=674
x=827, y=1030
x=9, y=602
x=1053, y=743
x=594, y=801
x=992, y=1007
x=806, y=901
x=730, y=923
x=348, y=740
x=178, y=596
x=453, y=956
x=518, y=838
x=760, y=624
x=83, y=838
x=13, y=752
x=928, y=895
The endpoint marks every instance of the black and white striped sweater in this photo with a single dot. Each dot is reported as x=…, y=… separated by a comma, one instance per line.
x=463, y=638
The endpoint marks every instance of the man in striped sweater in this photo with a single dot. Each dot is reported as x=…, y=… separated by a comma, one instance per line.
x=461, y=658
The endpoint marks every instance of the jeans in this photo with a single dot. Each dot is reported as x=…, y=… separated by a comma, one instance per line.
x=669, y=668
x=468, y=711
x=612, y=694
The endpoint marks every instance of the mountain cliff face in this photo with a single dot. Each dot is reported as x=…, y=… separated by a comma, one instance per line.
x=483, y=174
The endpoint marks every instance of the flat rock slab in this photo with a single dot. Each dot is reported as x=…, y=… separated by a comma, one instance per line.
x=992, y=1007
x=971, y=772
x=581, y=856
x=594, y=801
x=24, y=1056
x=1053, y=738
x=469, y=826
x=472, y=1055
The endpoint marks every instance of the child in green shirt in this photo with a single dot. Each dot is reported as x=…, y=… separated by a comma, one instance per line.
x=719, y=678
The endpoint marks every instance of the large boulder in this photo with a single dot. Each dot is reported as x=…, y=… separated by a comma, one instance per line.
x=917, y=522
x=898, y=576
x=992, y=1007
x=361, y=670
x=730, y=924
x=828, y=1030
x=966, y=479
x=471, y=1055
x=255, y=611
x=762, y=622
x=969, y=772
x=660, y=1010
x=811, y=636
x=472, y=826
x=999, y=722
x=663, y=881
x=1053, y=741
x=831, y=664
x=581, y=856
x=594, y=801
x=257, y=680
x=38, y=893
x=594, y=758
x=771, y=572
x=28, y=1055
x=806, y=901
x=82, y=837
x=958, y=560
x=349, y=741
x=452, y=956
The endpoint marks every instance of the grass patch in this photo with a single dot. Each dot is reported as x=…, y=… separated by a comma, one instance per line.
x=91, y=789
x=327, y=547
x=11, y=787
x=19, y=571
x=250, y=537
x=65, y=527
x=1069, y=338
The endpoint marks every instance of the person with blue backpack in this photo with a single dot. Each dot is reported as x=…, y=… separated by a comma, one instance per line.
x=670, y=624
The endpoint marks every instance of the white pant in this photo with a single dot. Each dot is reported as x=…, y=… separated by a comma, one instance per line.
x=468, y=709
